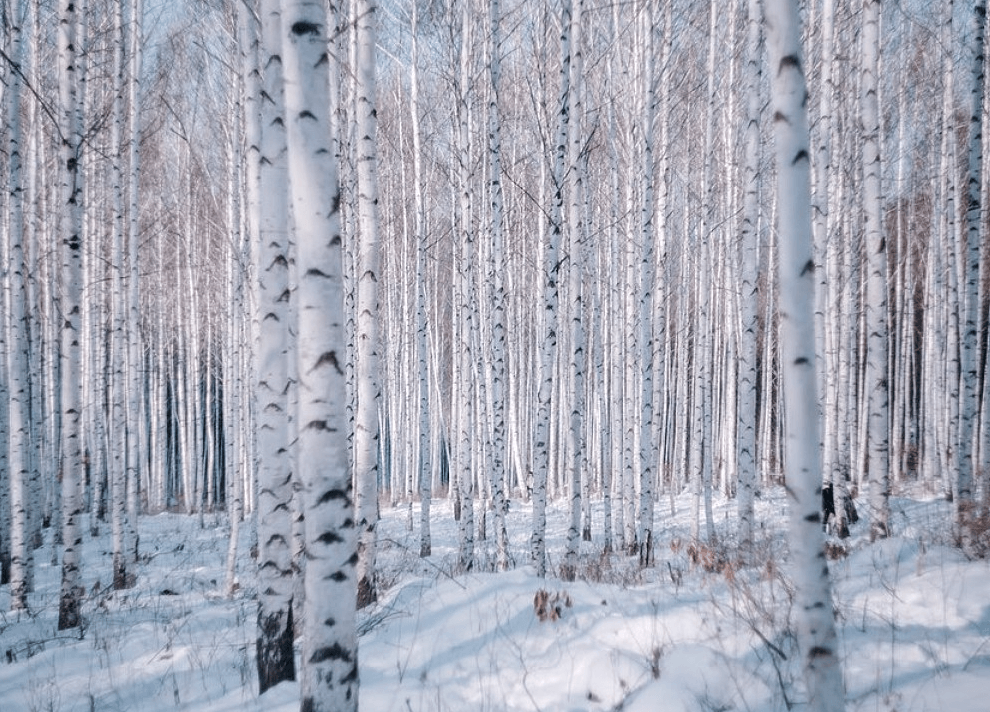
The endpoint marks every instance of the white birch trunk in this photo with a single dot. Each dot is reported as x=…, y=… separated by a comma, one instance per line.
x=70, y=234
x=497, y=268
x=366, y=426
x=647, y=330
x=422, y=354
x=118, y=401
x=135, y=364
x=813, y=603
x=274, y=648
x=550, y=279
x=18, y=468
x=876, y=378
x=575, y=265
x=969, y=346
x=748, y=347
x=329, y=648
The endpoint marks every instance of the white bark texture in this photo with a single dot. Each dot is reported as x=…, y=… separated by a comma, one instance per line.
x=575, y=265
x=748, y=302
x=876, y=376
x=366, y=425
x=813, y=602
x=18, y=422
x=329, y=643
x=499, y=454
x=135, y=366
x=969, y=347
x=70, y=233
x=274, y=649
x=550, y=277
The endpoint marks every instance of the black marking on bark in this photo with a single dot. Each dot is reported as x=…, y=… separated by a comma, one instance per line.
x=819, y=652
x=801, y=155
x=329, y=538
x=790, y=60
x=809, y=267
x=780, y=116
x=338, y=577
x=352, y=676
x=814, y=517
x=330, y=357
x=331, y=652
x=331, y=495
x=801, y=361
x=320, y=425
x=305, y=28
x=307, y=114
x=314, y=272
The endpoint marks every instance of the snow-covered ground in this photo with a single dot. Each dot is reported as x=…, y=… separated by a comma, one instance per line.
x=708, y=635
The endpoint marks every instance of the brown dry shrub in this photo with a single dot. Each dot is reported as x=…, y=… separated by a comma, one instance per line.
x=550, y=606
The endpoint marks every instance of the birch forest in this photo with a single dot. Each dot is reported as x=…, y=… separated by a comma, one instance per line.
x=283, y=268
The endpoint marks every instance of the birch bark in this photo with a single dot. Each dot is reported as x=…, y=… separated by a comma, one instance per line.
x=367, y=418
x=70, y=233
x=275, y=624
x=815, y=624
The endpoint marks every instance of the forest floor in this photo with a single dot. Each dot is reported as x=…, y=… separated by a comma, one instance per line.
x=697, y=631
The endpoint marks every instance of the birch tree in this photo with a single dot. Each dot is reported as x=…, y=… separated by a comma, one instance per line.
x=329, y=649
x=496, y=282
x=550, y=276
x=422, y=355
x=134, y=340
x=575, y=265
x=969, y=347
x=19, y=434
x=876, y=374
x=746, y=441
x=813, y=601
x=70, y=234
x=275, y=624
x=366, y=435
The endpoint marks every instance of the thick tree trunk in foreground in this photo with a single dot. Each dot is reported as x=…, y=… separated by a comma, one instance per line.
x=813, y=600
x=329, y=648
x=274, y=650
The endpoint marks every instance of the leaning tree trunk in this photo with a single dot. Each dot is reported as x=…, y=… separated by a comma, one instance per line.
x=329, y=647
x=802, y=423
